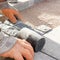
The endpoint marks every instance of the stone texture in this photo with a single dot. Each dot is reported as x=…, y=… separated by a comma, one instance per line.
x=42, y=56
x=21, y=5
x=52, y=46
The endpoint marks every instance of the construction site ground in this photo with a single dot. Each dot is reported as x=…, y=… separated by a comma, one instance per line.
x=47, y=13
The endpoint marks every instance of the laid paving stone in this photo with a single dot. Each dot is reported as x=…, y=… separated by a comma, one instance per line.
x=41, y=56
x=23, y=4
x=38, y=1
x=52, y=46
x=44, y=28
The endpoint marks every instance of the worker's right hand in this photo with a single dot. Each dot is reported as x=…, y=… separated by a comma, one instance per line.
x=21, y=49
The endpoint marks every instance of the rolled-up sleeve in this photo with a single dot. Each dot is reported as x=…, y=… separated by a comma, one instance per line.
x=6, y=43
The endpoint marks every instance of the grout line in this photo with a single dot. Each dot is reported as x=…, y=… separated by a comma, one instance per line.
x=50, y=55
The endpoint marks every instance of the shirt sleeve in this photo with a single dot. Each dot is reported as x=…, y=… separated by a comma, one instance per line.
x=6, y=43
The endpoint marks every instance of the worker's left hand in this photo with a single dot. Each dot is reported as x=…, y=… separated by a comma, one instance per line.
x=11, y=13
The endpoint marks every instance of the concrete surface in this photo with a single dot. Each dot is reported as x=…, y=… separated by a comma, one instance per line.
x=42, y=56
x=52, y=46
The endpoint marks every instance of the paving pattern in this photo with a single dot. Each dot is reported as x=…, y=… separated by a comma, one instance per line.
x=45, y=13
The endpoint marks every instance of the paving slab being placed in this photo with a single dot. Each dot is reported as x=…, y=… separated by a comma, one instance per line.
x=52, y=46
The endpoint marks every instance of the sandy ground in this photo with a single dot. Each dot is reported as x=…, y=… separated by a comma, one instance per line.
x=47, y=12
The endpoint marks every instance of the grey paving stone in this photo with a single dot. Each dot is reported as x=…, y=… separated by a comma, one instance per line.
x=44, y=28
x=41, y=56
x=12, y=0
x=52, y=46
x=38, y=0
x=23, y=5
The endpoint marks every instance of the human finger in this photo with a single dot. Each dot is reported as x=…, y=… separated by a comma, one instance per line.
x=28, y=46
x=27, y=55
x=18, y=56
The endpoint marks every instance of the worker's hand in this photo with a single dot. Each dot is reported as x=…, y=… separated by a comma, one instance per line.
x=11, y=13
x=21, y=49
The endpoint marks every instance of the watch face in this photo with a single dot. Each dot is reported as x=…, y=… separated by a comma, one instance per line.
x=12, y=0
